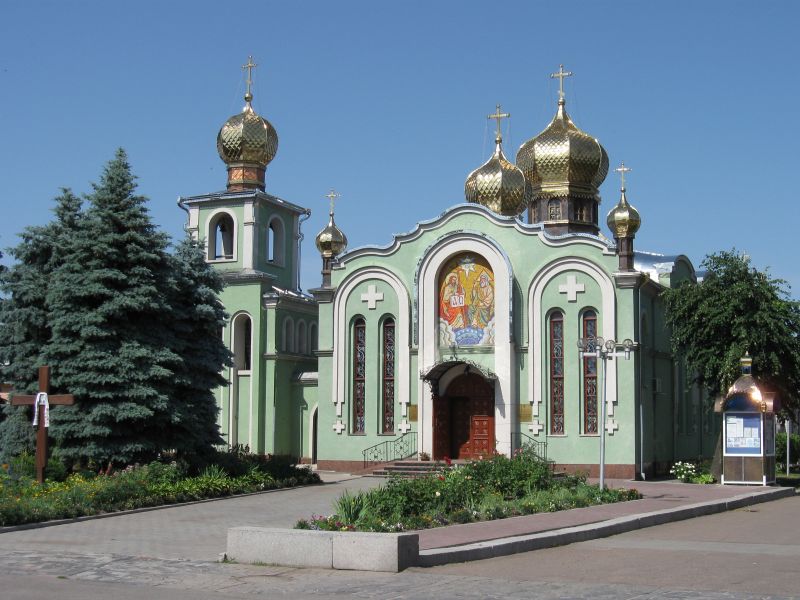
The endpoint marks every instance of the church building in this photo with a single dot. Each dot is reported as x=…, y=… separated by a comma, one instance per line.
x=476, y=332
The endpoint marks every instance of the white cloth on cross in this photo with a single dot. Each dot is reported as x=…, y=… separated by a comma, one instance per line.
x=41, y=400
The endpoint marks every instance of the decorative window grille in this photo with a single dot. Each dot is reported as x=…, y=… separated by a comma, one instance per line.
x=580, y=211
x=554, y=210
x=359, y=374
x=557, y=373
x=388, y=376
x=590, y=376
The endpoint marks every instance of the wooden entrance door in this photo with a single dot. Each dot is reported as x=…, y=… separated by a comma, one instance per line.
x=463, y=424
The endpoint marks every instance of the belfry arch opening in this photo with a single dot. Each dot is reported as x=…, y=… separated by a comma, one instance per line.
x=221, y=237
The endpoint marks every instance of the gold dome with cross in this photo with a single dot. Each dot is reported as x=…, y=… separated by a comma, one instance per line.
x=247, y=142
x=497, y=184
x=331, y=241
x=562, y=161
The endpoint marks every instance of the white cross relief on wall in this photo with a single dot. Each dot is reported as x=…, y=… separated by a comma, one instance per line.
x=572, y=288
x=404, y=427
x=536, y=427
x=372, y=297
x=611, y=426
x=339, y=427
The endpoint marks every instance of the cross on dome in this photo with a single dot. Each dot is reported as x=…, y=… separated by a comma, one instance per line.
x=332, y=196
x=560, y=76
x=497, y=116
x=249, y=66
x=622, y=169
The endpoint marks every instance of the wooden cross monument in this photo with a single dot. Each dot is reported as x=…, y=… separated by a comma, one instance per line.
x=41, y=407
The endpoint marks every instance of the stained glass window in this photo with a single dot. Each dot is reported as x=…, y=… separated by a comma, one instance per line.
x=590, y=376
x=388, y=376
x=359, y=374
x=557, y=373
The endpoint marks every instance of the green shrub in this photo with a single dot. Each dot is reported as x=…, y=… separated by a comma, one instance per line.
x=780, y=448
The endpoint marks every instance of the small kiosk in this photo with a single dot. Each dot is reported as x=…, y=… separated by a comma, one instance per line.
x=748, y=431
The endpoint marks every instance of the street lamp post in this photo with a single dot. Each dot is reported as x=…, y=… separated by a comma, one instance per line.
x=605, y=351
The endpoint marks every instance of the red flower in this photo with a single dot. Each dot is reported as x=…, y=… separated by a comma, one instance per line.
x=441, y=477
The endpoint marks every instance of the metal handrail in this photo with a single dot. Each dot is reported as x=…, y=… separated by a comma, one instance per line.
x=519, y=439
x=393, y=449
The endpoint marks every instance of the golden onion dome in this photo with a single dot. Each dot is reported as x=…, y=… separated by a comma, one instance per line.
x=623, y=220
x=497, y=184
x=331, y=241
x=247, y=138
x=563, y=160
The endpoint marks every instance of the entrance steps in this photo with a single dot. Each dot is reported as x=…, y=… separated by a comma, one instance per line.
x=410, y=468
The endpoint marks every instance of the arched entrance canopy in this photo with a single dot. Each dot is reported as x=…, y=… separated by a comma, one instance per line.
x=437, y=371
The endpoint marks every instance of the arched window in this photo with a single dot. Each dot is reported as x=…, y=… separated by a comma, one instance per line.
x=221, y=237
x=313, y=340
x=557, y=373
x=275, y=241
x=288, y=335
x=387, y=377
x=589, y=391
x=242, y=342
x=301, y=339
x=359, y=374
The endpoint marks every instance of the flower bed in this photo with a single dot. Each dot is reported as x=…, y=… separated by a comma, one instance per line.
x=496, y=488
x=22, y=500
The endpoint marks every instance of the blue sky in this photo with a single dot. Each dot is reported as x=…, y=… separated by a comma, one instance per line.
x=387, y=103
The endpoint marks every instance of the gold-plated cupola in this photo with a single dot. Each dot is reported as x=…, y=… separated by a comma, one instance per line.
x=497, y=184
x=563, y=169
x=247, y=143
x=623, y=220
x=331, y=241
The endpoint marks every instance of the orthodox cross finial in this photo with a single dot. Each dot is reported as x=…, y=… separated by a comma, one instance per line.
x=497, y=116
x=560, y=76
x=622, y=169
x=249, y=66
x=332, y=196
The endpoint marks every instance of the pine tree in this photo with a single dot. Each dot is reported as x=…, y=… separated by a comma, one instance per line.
x=198, y=318
x=107, y=304
x=24, y=325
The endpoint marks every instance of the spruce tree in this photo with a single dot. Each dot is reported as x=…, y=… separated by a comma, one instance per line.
x=24, y=324
x=107, y=304
x=197, y=320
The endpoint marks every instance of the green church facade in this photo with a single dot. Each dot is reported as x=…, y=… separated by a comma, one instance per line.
x=459, y=338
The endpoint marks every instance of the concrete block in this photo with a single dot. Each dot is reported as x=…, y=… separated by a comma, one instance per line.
x=286, y=547
x=390, y=552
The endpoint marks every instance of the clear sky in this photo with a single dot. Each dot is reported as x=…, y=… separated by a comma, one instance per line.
x=387, y=103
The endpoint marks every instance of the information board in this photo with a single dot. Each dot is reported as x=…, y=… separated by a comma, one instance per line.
x=743, y=434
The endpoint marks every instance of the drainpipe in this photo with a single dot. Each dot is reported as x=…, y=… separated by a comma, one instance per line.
x=182, y=206
x=300, y=237
x=639, y=387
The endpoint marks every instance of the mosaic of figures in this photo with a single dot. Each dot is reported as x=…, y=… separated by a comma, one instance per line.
x=466, y=302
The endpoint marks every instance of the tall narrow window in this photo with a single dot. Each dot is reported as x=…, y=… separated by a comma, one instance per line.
x=590, y=376
x=359, y=374
x=557, y=373
x=388, y=377
x=554, y=210
x=242, y=342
